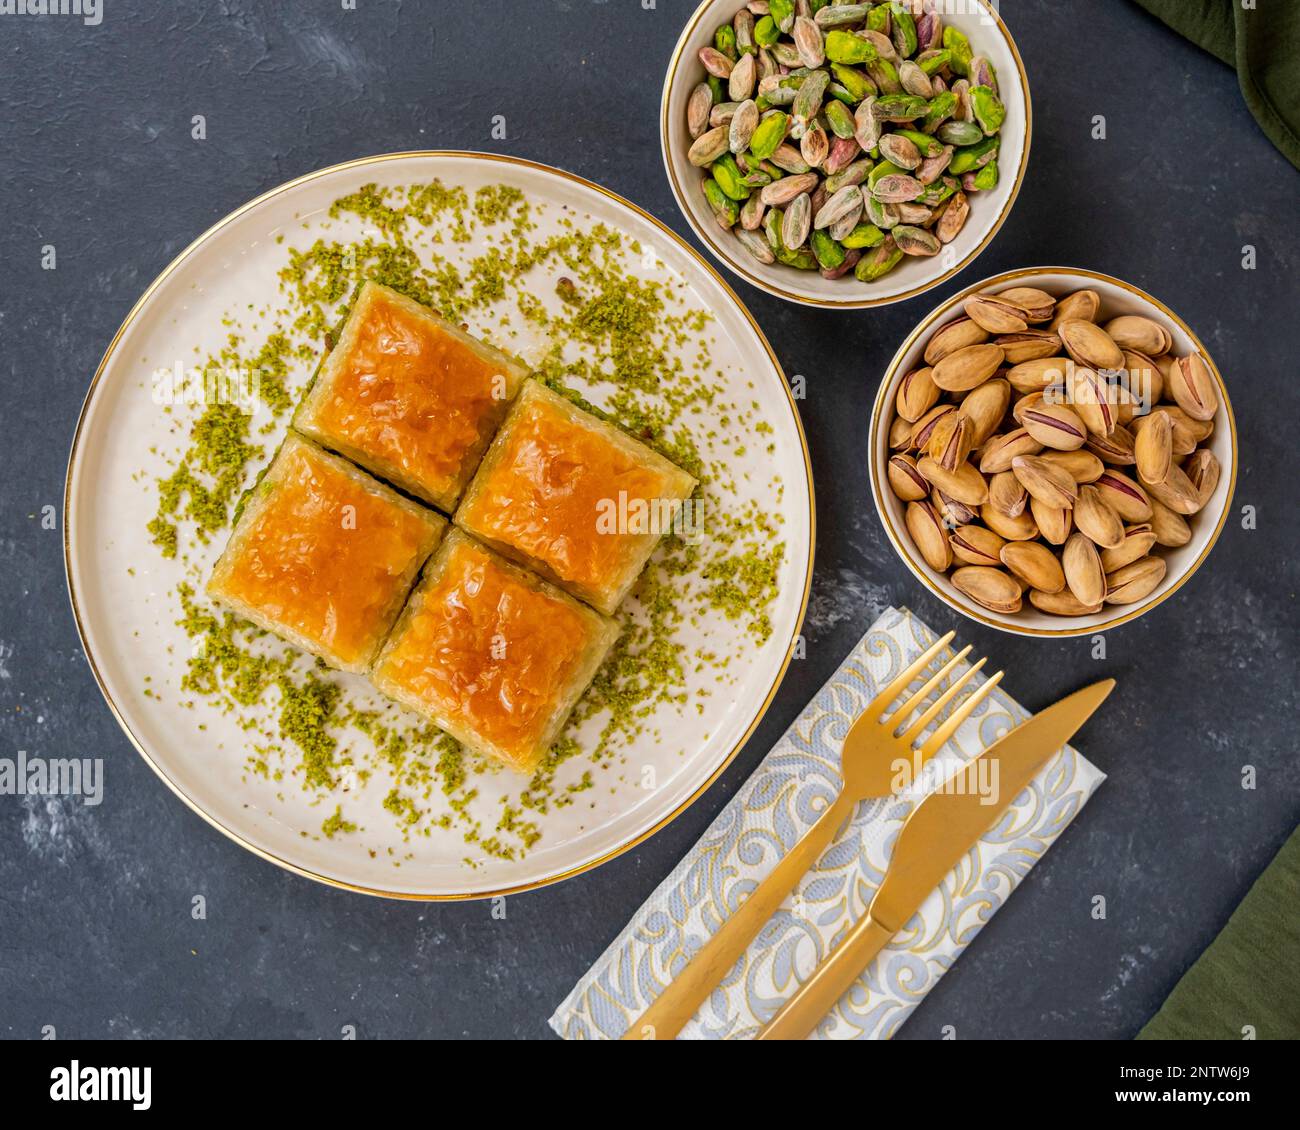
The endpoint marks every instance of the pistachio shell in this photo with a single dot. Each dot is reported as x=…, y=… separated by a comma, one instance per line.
x=1089, y=345
x=965, y=484
x=1051, y=485
x=1007, y=494
x=1116, y=448
x=1144, y=382
x=1001, y=450
x=1028, y=345
x=1054, y=522
x=1176, y=491
x=1203, y=470
x=1024, y=403
x=1170, y=529
x=996, y=314
x=917, y=394
x=1039, y=306
x=985, y=407
x=1192, y=387
x=1034, y=564
x=1083, y=572
x=1082, y=305
x=1154, y=448
x=1095, y=518
x=950, y=338
x=1187, y=433
x=920, y=432
x=1131, y=331
x=1038, y=374
x=968, y=367
x=1021, y=528
x=950, y=441
x=1138, y=542
x=1081, y=466
x=989, y=588
x=1063, y=603
x=929, y=535
x=1055, y=426
x=952, y=512
x=1092, y=399
x=1125, y=497
x=1136, y=581
x=976, y=546
x=900, y=434
x=905, y=480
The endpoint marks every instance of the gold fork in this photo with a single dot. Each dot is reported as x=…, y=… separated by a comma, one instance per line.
x=869, y=766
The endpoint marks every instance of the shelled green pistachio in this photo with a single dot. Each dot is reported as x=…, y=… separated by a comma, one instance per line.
x=883, y=98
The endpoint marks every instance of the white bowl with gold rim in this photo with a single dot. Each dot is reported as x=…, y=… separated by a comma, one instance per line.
x=988, y=35
x=1117, y=297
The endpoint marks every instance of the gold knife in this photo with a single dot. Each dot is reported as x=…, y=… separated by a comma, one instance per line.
x=940, y=830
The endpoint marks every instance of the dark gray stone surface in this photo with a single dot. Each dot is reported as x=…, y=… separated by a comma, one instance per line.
x=96, y=936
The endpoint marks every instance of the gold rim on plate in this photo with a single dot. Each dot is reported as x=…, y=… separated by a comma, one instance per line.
x=737, y=265
x=68, y=524
x=902, y=543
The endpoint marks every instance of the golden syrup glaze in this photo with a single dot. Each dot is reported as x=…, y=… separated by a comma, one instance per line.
x=487, y=651
x=547, y=489
x=334, y=576
x=410, y=393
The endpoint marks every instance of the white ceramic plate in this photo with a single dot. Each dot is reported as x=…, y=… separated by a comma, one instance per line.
x=121, y=587
x=1117, y=297
x=989, y=36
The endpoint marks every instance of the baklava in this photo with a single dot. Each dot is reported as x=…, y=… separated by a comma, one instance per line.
x=409, y=396
x=573, y=497
x=324, y=555
x=492, y=654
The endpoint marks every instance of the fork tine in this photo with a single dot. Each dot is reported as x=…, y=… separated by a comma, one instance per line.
x=900, y=684
x=915, y=701
x=917, y=728
x=958, y=716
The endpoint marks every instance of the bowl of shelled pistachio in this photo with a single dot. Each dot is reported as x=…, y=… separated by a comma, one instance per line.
x=1053, y=452
x=845, y=154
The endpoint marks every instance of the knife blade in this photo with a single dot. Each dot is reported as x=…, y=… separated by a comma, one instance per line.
x=940, y=830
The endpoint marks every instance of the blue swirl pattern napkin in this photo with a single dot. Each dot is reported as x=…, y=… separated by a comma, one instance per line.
x=794, y=783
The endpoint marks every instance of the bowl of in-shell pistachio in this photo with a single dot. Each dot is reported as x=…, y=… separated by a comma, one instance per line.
x=1053, y=452
x=846, y=154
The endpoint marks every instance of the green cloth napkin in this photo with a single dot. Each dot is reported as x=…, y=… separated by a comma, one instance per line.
x=1250, y=975
x=1261, y=38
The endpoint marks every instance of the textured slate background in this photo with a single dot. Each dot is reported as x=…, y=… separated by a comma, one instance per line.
x=96, y=936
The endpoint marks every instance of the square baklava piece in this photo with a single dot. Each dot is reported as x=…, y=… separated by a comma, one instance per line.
x=324, y=555
x=409, y=396
x=492, y=654
x=572, y=497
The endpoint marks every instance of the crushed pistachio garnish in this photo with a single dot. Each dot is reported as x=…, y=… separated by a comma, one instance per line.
x=634, y=345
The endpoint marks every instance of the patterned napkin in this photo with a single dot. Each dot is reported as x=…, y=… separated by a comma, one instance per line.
x=794, y=783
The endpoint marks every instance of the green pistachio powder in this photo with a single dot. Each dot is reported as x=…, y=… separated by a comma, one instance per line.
x=612, y=329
